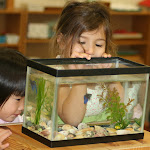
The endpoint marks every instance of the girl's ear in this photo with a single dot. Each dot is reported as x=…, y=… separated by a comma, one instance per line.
x=60, y=41
x=59, y=38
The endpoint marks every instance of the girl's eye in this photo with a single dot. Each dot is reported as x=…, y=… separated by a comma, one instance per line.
x=98, y=45
x=18, y=99
x=82, y=42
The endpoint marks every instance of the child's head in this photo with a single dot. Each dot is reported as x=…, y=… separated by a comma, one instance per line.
x=77, y=18
x=12, y=83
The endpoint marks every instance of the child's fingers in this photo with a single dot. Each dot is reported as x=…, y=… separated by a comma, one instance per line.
x=76, y=55
x=80, y=55
x=4, y=131
x=87, y=56
x=105, y=55
x=3, y=146
x=4, y=134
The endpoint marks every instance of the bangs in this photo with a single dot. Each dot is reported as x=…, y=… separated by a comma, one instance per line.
x=12, y=81
x=18, y=88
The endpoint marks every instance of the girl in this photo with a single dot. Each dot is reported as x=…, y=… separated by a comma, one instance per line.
x=77, y=18
x=83, y=31
x=12, y=89
x=12, y=85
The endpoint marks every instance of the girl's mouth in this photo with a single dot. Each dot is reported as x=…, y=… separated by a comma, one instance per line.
x=17, y=114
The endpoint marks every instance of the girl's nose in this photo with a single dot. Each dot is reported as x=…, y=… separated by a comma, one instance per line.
x=21, y=105
x=90, y=50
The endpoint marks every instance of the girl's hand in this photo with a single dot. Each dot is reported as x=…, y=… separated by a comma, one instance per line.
x=79, y=52
x=4, y=134
x=80, y=55
x=105, y=55
x=103, y=65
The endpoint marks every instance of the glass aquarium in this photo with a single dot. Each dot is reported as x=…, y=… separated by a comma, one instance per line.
x=77, y=101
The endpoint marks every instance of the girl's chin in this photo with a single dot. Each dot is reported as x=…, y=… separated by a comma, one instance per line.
x=10, y=119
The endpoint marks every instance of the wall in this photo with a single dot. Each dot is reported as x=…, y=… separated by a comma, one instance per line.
x=45, y=3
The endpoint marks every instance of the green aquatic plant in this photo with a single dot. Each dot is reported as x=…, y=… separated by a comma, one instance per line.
x=115, y=109
x=44, y=98
x=41, y=95
x=48, y=104
x=138, y=121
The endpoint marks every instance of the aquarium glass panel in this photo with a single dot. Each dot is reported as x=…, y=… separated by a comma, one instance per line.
x=97, y=65
x=115, y=105
x=40, y=93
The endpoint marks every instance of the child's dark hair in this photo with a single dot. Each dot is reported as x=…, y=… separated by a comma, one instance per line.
x=79, y=17
x=12, y=74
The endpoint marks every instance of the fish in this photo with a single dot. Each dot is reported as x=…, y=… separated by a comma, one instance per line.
x=33, y=85
x=87, y=97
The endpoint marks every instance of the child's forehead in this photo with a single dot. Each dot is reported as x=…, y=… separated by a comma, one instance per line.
x=97, y=32
x=16, y=96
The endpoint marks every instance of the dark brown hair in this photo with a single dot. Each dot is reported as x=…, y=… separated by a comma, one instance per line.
x=79, y=17
x=12, y=74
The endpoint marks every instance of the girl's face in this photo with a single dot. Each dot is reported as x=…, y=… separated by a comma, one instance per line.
x=92, y=43
x=12, y=108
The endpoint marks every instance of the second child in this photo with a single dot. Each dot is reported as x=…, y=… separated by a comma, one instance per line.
x=83, y=31
x=12, y=89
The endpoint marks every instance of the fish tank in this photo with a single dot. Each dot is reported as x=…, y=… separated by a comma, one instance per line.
x=107, y=102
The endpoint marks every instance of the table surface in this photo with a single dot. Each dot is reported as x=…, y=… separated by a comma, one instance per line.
x=20, y=141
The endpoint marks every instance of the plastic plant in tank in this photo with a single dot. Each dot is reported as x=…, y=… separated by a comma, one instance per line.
x=138, y=120
x=44, y=98
x=48, y=104
x=115, y=109
x=39, y=99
